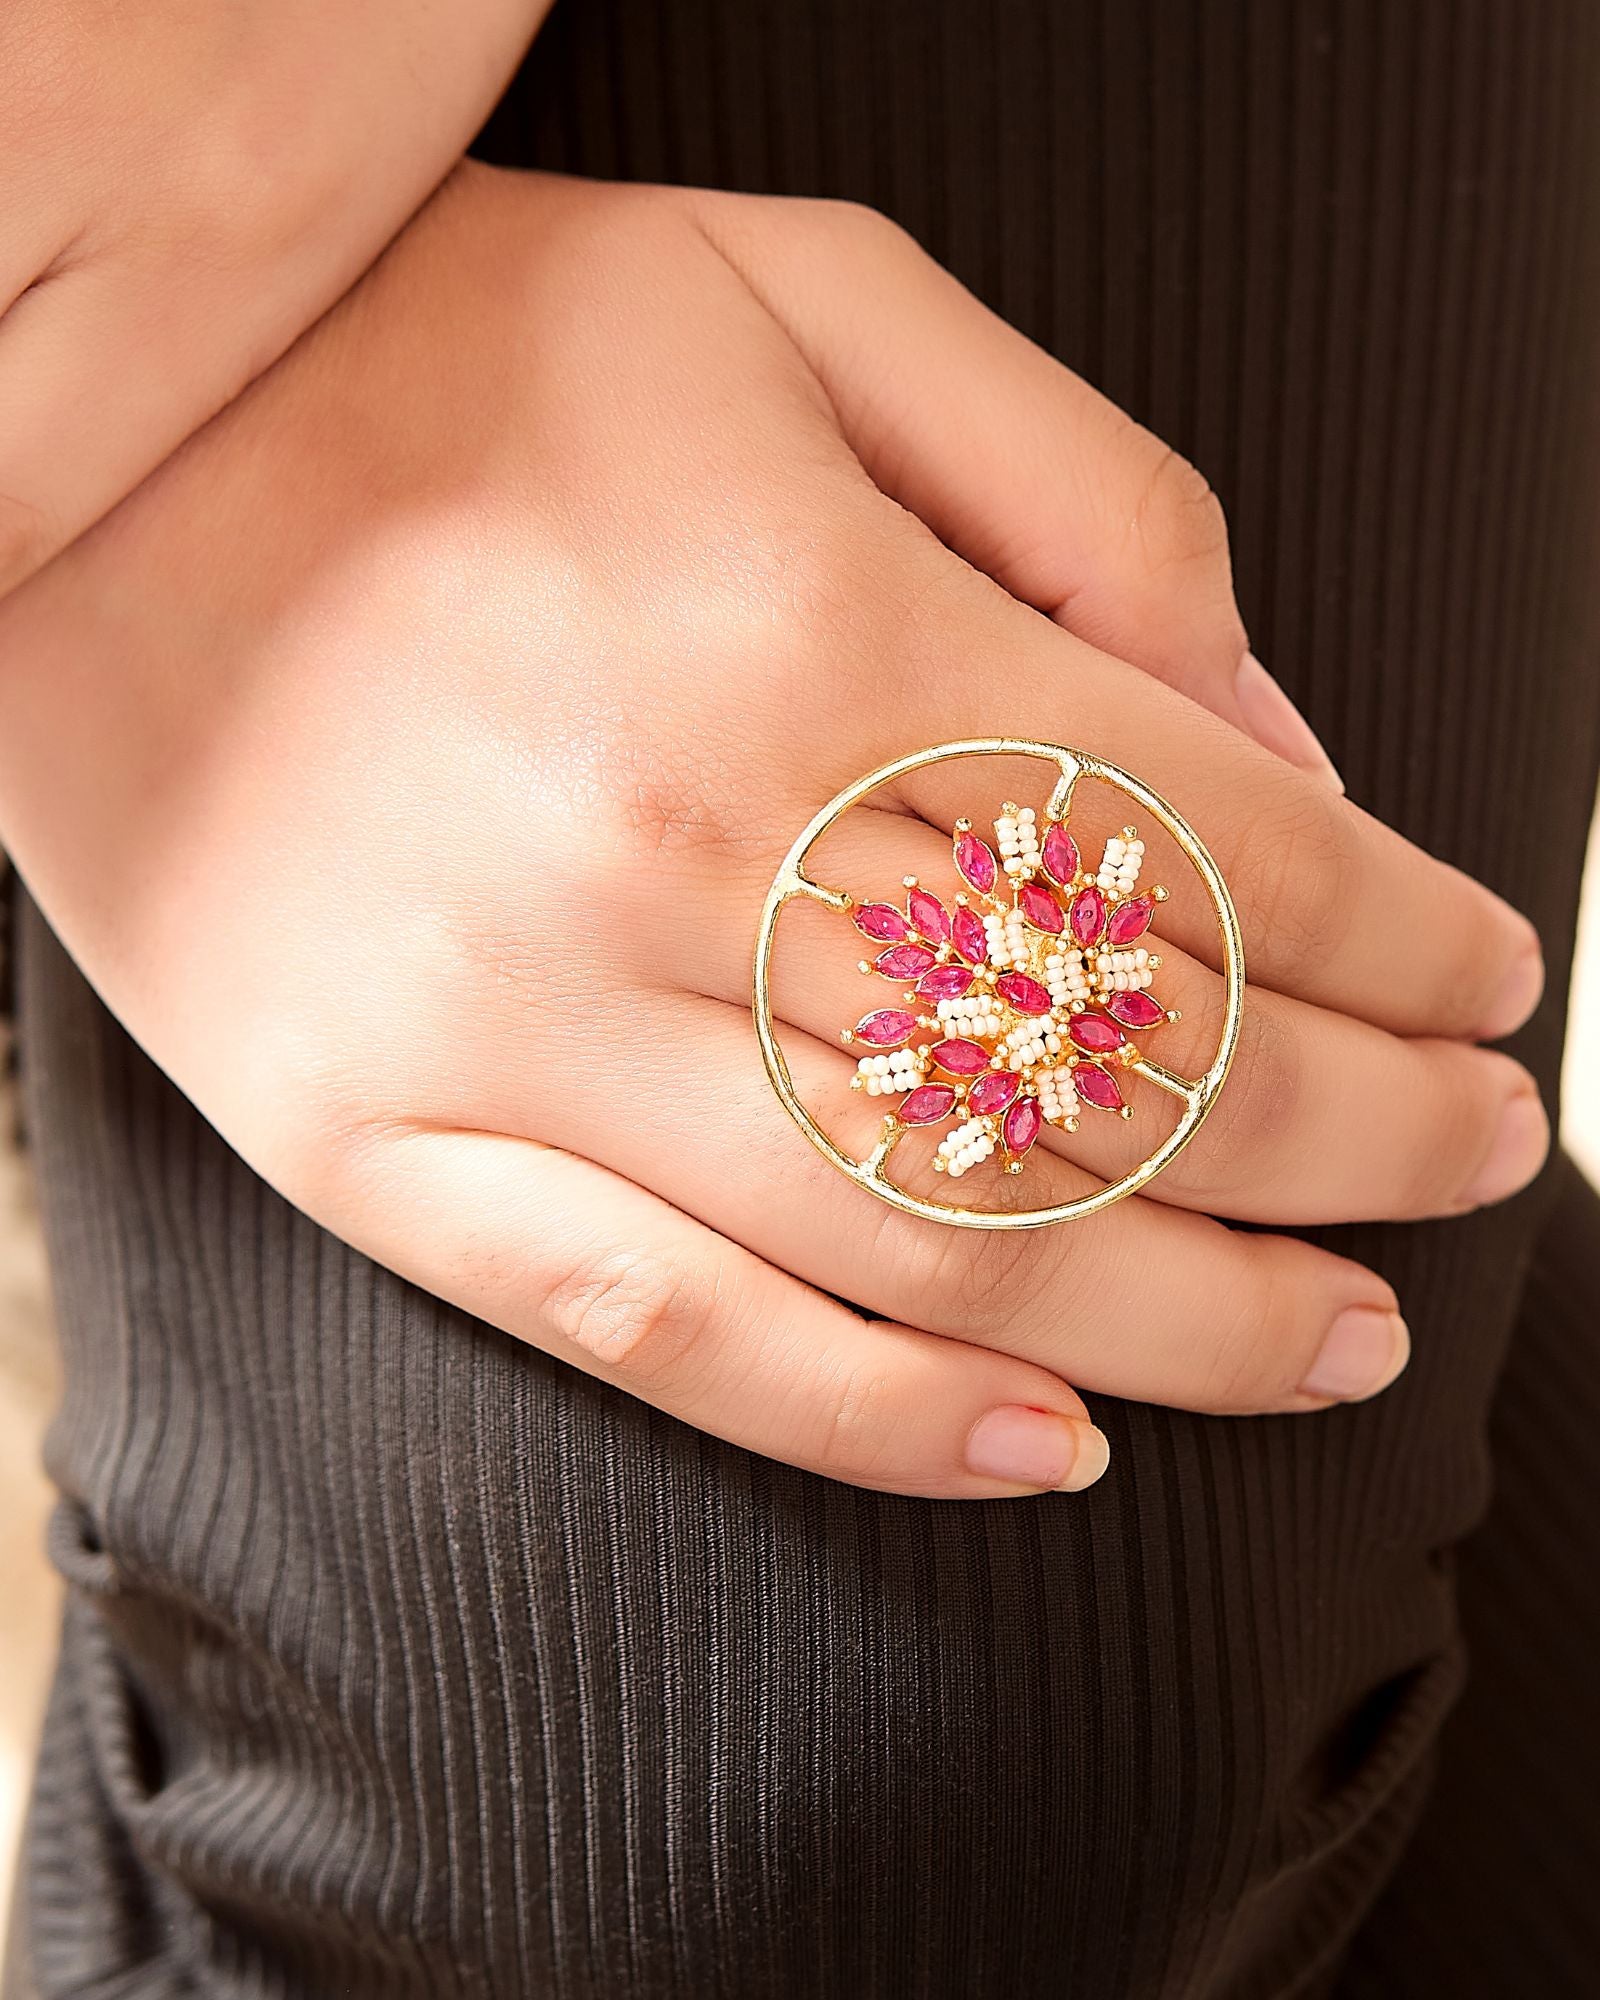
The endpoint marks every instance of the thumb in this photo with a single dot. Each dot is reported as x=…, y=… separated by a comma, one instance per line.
x=1014, y=462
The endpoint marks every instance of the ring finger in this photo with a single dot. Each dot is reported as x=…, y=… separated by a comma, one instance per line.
x=1323, y=1118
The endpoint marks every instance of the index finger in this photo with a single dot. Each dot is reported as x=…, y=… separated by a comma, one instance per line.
x=1336, y=907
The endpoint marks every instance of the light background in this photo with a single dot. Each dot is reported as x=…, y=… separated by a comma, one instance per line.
x=27, y=1586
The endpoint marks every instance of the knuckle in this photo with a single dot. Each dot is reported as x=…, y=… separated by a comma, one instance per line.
x=854, y=1427
x=1243, y=1129
x=670, y=797
x=27, y=539
x=817, y=580
x=1251, y=1363
x=638, y=1315
x=1296, y=876
x=1177, y=520
x=678, y=808
x=858, y=222
x=973, y=1282
x=1452, y=1123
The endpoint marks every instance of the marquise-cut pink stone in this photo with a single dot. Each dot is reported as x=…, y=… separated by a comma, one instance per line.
x=927, y=1104
x=903, y=961
x=1088, y=916
x=887, y=1028
x=1022, y=1123
x=1097, y=1086
x=966, y=930
x=929, y=916
x=1024, y=993
x=959, y=1056
x=881, y=921
x=1061, y=858
x=1130, y=920
x=1095, y=1034
x=945, y=982
x=975, y=859
x=993, y=1092
x=1135, y=1010
x=1040, y=908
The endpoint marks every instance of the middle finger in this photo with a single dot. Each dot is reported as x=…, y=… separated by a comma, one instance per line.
x=1323, y=1118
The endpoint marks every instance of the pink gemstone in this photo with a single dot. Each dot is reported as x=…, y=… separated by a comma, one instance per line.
x=1018, y=990
x=945, y=982
x=966, y=929
x=887, y=1028
x=1040, y=908
x=1096, y=1086
x=903, y=961
x=1022, y=1123
x=1061, y=860
x=927, y=1104
x=881, y=921
x=959, y=1056
x=1088, y=916
x=993, y=1092
x=975, y=859
x=928, y=916
x=1135, y=1010
x=1130, y=920
x=1095, y=1034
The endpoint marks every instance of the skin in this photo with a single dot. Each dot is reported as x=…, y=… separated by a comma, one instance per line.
x=185, y=189
x=406, y=761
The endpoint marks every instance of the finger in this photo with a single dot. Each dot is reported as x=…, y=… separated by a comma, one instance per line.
x=1336, y=907
x=1323, y=1118
x=127, y=346
x=1140, y=1301
x=606, y=1276
x=67, y=453
x=1013, y=461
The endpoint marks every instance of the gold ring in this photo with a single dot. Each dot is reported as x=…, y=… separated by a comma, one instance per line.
x=1024, y=995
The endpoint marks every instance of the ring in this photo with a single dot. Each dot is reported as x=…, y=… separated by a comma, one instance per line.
x=1025, y=995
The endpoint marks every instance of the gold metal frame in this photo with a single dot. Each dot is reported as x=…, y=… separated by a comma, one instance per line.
x=1198, y=1093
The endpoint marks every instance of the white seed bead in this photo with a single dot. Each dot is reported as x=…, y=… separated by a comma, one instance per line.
x=1024, y=834
x=964, y=1146
x=1058, y=1095
x=1114, y=967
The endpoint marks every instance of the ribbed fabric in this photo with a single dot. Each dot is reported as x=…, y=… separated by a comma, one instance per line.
x=1497, y=1892
x=401, y=1660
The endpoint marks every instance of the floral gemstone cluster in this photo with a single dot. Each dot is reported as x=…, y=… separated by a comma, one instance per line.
x=1021, y=998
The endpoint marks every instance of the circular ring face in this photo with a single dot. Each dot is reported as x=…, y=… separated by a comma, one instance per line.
x=1022, y=998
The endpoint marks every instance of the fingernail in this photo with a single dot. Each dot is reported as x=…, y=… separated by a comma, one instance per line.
x=1519, y=993
x=1517, y=1154
x=1365, y=1349
x=1274, y=721
x=1028, y=1447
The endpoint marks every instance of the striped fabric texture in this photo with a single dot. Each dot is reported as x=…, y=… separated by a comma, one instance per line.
x=402, y=1661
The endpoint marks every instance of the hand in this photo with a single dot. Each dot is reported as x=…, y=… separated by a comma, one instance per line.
x=186, y=189
x=407, y=761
